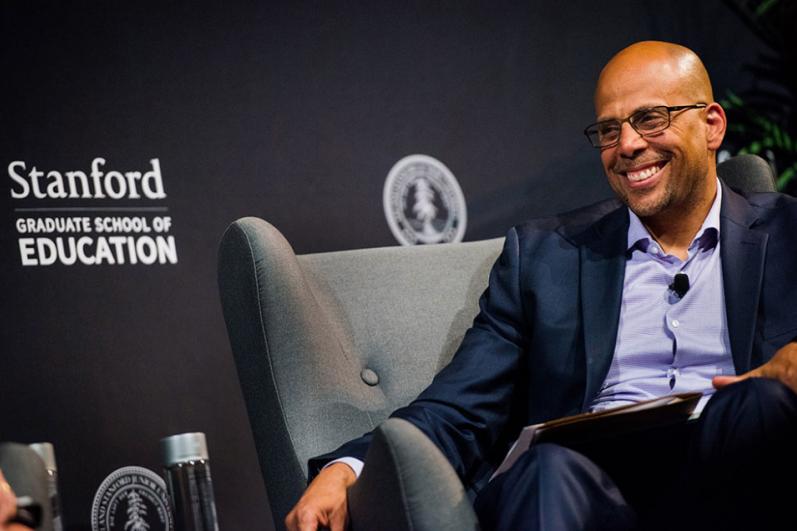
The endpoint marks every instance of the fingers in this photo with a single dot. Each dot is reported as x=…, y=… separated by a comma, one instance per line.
x=303, y=518
x=782, y=366
x=8, y=501
x=311, y=513
x=724, y=381
x=292, y=524
x=4, y=486
x=300, y=519
x=324, y=501
x=339, y=521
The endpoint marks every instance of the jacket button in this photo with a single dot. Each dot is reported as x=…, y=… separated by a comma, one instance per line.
x=369, y=377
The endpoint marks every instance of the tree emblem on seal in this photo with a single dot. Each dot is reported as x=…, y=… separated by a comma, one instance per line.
x=136, y=512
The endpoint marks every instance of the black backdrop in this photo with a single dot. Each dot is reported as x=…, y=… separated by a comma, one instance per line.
x=291, y=111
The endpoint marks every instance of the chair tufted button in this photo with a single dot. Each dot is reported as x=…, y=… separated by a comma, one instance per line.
x=369, y=376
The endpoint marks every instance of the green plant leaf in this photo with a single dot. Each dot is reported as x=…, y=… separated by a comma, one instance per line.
x=765, y=6
x=786, y=176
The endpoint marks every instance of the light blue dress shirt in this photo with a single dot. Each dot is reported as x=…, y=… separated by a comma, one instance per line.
x=667, y=344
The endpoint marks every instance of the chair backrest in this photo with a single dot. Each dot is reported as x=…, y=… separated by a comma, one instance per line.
x=327, y=345
x=747, y=173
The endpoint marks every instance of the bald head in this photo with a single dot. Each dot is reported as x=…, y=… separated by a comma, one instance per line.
x=677, y=69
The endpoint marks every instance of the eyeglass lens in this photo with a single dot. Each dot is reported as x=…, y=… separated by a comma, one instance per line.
x=643, y=121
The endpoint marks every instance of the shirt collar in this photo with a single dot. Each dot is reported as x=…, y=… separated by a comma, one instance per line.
x=638, y=235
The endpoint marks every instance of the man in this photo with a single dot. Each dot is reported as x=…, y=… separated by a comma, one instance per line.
x=580, y=315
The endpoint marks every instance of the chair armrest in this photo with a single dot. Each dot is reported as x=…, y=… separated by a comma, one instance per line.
x=407, y=484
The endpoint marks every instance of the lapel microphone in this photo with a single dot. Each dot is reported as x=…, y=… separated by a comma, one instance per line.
x=680, y=284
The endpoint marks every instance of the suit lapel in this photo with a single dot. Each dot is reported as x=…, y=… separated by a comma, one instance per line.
x=602, y=256
x=742, y=251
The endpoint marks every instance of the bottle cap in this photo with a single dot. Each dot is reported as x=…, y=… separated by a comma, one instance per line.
x=184, y=447
x=47, y=453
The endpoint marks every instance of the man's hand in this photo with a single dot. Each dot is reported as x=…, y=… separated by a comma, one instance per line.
x=782, y=366
x=324, y=501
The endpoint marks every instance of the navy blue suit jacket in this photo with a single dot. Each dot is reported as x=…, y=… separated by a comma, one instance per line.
x=543, y=340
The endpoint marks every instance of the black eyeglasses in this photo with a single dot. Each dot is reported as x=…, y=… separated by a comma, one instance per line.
x=644, y=121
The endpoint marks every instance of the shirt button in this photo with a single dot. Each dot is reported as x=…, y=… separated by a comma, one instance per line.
x=676, y=323
x=654, y=249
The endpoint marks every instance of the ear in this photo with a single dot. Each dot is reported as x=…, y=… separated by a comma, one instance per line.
x=716, y=122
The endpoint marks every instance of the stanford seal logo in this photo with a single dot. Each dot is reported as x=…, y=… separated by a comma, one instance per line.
x=423, y=202
x=131, y=499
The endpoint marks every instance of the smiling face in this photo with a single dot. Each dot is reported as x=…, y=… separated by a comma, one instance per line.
x=673, y=171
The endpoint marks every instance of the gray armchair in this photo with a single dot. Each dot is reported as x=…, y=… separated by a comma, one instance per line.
x=328, y=345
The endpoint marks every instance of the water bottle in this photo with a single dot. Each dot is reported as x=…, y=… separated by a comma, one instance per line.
x=187, y=470
x=47, y=453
